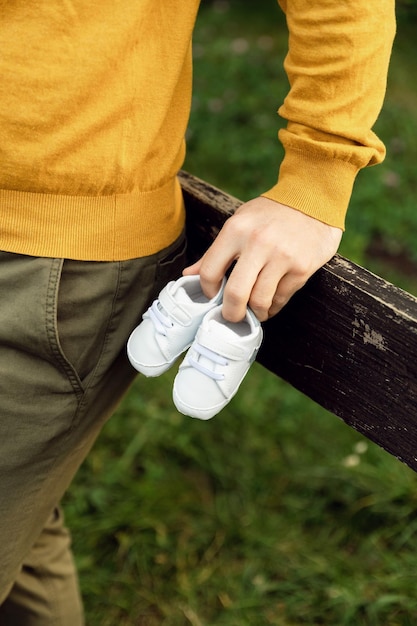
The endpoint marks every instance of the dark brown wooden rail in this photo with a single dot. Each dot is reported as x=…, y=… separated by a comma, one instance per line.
x=348, y=339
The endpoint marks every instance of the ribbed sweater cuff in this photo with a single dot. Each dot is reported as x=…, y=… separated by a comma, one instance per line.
x=318, y=187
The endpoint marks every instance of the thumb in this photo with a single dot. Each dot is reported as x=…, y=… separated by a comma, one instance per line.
x=193, y=269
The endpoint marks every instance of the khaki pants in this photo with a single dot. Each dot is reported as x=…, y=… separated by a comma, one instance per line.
x=63, y=369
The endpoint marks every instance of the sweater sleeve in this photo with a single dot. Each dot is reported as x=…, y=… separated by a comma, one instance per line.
x=337, y=67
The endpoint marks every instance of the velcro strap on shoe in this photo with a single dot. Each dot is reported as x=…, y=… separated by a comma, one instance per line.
x=174, y=309
x=220, y=346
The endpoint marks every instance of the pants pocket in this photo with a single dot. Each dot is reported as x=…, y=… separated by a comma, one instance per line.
x=171, y=264
x=80, y=309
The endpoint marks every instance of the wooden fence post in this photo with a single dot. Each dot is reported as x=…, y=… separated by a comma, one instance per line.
x=347, y=340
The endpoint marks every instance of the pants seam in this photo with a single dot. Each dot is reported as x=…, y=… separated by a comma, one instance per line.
x=50, y=326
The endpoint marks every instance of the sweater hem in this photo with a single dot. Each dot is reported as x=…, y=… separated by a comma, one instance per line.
x=94, y=228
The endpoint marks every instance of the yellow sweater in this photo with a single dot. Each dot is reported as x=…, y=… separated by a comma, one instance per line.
x=94, y=104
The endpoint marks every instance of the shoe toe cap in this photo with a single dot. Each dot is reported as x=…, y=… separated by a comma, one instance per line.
x=143, y=348
x=197, y=395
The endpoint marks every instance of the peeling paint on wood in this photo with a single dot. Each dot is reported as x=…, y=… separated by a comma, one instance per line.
x=369, y=335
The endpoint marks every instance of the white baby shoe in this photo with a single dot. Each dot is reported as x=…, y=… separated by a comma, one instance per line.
x=169, y=325
x=216, y=364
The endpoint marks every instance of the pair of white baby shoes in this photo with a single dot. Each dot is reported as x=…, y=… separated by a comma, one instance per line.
x=219, y=352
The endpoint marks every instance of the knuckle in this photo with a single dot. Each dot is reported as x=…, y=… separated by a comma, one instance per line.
x=262, y=237
x=261, y=314
x=286, y=254
x=206, y=273
x=260, y=304
x=301, y=271
x=279, y=301
x=235, y=226
x=233, y=295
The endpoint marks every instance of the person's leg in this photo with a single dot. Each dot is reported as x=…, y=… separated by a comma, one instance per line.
x=63, y=369
x=46, y=590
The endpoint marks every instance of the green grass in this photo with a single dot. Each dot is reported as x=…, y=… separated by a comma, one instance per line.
x=274, y=512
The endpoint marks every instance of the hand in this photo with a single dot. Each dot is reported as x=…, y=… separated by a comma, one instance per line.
x=276, y=249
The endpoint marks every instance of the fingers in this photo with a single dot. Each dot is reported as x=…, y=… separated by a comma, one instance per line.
x=265, y=298
x=238, y=290
x=266, y=293
x=231, y=247
x=275, y=249
x=287, y=287
x=257, y=274
x=214, y=264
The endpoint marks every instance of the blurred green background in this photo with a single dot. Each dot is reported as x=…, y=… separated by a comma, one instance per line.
x=274, y=512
